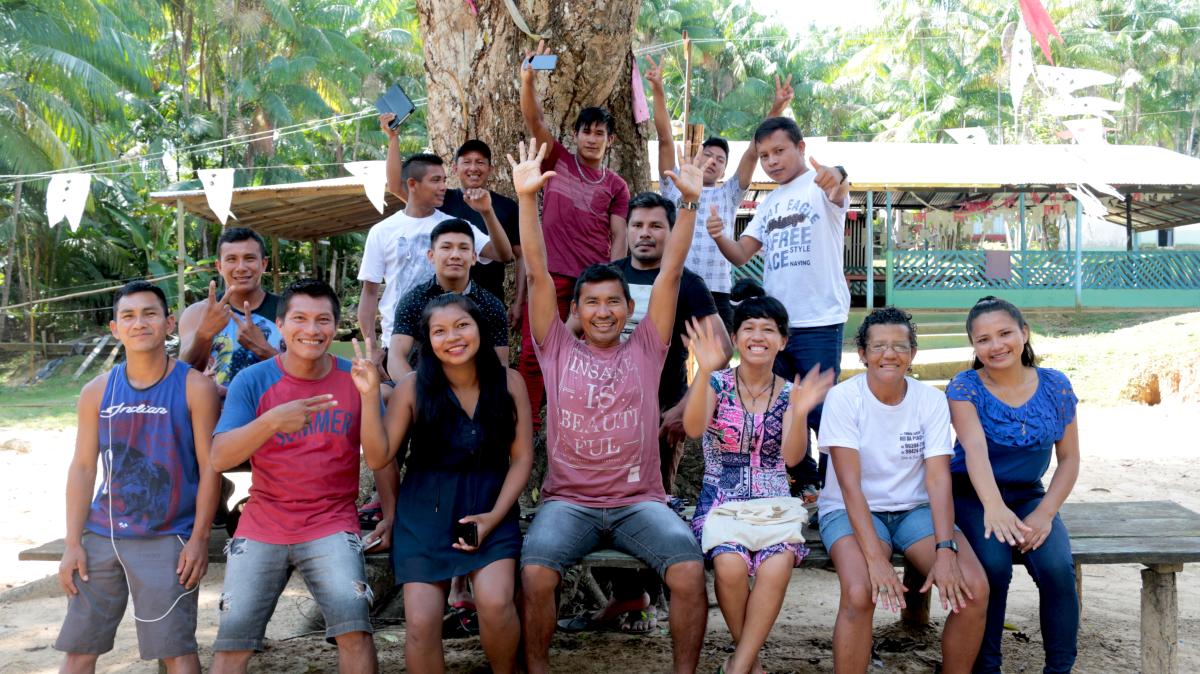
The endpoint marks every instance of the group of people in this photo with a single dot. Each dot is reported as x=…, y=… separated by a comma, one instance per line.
x=612, y=293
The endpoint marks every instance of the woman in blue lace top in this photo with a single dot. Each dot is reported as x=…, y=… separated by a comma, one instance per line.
x=1009, y=416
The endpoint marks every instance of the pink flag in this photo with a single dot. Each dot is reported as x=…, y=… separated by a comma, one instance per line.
x=641, y=111
x=1039, y=23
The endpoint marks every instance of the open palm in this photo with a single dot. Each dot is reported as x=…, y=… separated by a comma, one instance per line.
x=706, y=348
x=527, y=173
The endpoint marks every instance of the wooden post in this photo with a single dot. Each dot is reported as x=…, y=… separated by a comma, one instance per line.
x=275, y=264
x=916, y=610
x=1021, y=208
x=179, y=256
x=869, y=252
x=1160, y=619
x=687, y=83
x=1079, y=587
x=1078, y=254
x=1128, y=222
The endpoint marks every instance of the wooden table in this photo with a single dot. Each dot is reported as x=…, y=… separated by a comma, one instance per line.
x=1160, y=535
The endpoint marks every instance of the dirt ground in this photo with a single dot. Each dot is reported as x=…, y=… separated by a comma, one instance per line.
x=1130, y=452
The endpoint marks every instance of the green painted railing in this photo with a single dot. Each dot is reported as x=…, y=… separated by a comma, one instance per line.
x=967, y=269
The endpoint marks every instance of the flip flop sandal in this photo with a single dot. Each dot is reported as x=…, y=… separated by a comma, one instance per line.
x=460, y=623
x=648, y=617
x=584, y=623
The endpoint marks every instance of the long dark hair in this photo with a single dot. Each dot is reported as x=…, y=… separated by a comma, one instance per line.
x=991, y=303
x=497, y=412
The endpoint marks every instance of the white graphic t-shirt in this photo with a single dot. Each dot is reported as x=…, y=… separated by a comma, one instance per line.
x=893, y=442
x=803, y=237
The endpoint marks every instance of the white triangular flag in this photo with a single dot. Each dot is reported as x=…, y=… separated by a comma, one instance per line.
x=1021, y=64
x=169, y=162
x=970, y=135
x=1087, y=131
x=1067, y=80
x=374, y=179
x=66, y=195
x=218, y=190
x=1083, y=106
x=1091, y=205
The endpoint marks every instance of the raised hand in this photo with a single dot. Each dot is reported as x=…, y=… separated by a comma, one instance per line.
x=654, y=75
x=248, y=334
x=689, y=179
x=479, y=199
x=784, y=93
x=217, y=313
x=363, y=369
x=807, y=394
x=384, y=120
x=527, y=71
x=527, y=174
x=829, y=179
x=292, y=417
x=705, y=347
x=714, y=223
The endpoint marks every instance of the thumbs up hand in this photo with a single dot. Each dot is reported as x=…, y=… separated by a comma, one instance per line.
x=714, y=223
x=830, y=180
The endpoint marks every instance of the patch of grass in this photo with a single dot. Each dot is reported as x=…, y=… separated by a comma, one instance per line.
x=1066, y=322
x=47, y=404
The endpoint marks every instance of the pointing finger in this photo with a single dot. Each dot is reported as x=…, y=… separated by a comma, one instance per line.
x=212, y=292
x=813, y=160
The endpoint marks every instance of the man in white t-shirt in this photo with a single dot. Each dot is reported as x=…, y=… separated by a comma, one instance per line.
x=397, y=247
x=717, y=201
x=800, y=230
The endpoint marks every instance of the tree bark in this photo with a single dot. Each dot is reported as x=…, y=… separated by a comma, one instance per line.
x=472, y=66
x=10, y=272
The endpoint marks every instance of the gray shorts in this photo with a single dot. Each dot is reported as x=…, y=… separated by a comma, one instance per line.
x=256, y=572
x=562, y=533
x=94, y=614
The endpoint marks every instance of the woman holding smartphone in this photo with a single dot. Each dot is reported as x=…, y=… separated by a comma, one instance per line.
x=465, y=419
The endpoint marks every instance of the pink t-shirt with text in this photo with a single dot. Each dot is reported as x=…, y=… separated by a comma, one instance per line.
x=576, y=205
x=602, y=418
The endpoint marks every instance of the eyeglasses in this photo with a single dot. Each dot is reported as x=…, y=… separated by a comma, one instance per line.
x=898, y=348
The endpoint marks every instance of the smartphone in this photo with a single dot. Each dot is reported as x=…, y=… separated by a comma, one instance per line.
x=396, y=101
x=468, y=531
x=544, y=62
x=372, y=544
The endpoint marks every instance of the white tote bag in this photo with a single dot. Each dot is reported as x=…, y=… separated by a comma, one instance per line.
x=756, y=524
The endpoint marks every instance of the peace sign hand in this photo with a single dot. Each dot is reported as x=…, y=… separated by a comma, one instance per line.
x=248, y=334
x=654, y=75
x=216, y=313
x=689, y=179
x=784, y=93
x=705, y=347
x=527, y=175
x=292, y=417
x=363, y=369
x=807, y=394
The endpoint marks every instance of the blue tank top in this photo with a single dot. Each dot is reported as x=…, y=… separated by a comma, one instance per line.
x=148, y=453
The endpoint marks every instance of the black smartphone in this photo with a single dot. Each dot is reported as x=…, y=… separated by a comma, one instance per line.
x=468, y=532
x=396, y=101
x=544, y=62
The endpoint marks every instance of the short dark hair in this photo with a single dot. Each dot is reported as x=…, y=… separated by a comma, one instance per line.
x=992, y=303
x=600, y=273
x=418, y=165
x=309, y=287
x=761, y=306
x=652, y=200
x=236, y=234
x=589, y=116
x=744, y=289
x=451, y=226
x=139, y=286
x=886, y=316
x=773, y=124
x=717, y=141
x=474, y=145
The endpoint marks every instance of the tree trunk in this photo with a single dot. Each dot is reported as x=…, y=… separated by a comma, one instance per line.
x=472, y=65
x=10, y=255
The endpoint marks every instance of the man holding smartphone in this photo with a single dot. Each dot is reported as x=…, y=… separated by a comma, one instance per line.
x=583, y=212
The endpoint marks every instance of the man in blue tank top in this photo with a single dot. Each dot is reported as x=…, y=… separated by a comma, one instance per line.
x=149, y=421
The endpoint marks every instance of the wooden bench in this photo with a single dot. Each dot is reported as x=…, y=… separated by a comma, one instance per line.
x=1160, y=535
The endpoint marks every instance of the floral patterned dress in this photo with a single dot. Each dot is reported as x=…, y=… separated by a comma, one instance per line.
x=743, y=460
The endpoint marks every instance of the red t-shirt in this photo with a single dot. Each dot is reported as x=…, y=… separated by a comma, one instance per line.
x=576, y=205
x=305, y=484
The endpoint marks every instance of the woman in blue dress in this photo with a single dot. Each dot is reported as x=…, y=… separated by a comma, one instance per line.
x=1010, y=415
x=465, y=418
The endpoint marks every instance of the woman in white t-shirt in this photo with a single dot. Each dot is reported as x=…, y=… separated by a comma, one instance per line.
x=888, y=437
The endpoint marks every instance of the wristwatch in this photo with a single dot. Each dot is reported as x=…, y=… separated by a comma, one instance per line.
x=951, y=544
x=842, y=170
x=689, y=205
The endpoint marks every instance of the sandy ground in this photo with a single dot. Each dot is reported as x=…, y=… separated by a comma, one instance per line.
x=1130, y=452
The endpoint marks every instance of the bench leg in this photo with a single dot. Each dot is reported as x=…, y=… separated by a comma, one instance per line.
x=1160, y=619
x=1079, y=588
x=916, y=612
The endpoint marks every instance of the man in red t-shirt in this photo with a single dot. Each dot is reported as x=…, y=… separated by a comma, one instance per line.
x=583, y=213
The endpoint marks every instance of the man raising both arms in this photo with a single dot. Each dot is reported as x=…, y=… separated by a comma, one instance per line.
x=800, y=228
x=718, y=202
x=583, y=213
x=602, y=470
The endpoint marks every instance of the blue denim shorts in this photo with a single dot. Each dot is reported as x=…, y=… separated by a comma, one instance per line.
x=898, y=529
x=255, y=575
x=562, y=533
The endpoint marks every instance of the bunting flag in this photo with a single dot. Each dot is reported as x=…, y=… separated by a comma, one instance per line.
x=520, y=20
x=1091, y=205
x=1020, y=65
x=218, y=190
x=970, y=135
x=1082, y=106
x=1040, y=24
x=641, y=110
x=1069, y=80
x=1087, y=131
x=66, y=195
x=374, y=178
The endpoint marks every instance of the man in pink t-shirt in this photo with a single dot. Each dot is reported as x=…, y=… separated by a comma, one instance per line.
x=299, y=419
x=603, y=481
x=584, y=207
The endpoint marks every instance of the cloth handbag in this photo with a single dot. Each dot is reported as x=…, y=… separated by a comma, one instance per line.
x=756, y=523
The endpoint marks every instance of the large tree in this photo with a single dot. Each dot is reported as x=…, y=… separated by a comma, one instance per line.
x=472, y=63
